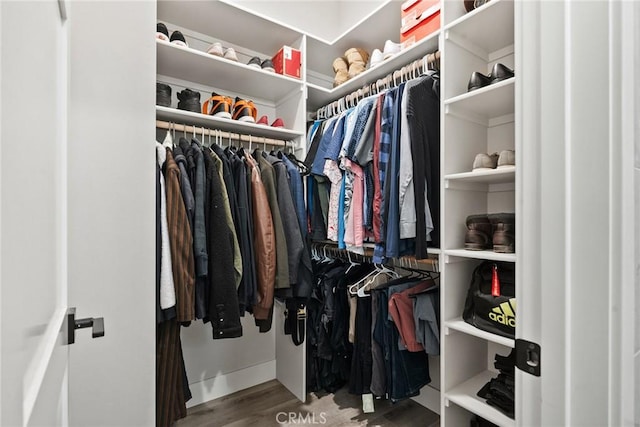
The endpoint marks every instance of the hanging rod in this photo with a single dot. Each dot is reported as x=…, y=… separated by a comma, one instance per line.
x=408, y=72
x=427, y=264
x=200, y=130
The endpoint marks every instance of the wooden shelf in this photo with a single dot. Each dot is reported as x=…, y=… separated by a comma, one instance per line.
x=213, y=71
x=464, y=395
x=485, y=29
x=493, y=176
x=234, y=126
x=461, y=326
x=485, y=255
x=319, y=96
x=493, y=101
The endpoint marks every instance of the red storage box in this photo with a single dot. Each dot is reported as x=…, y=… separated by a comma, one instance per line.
x=287, y=62
x=422, y=18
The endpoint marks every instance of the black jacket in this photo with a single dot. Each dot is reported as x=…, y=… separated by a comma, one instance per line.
x=222, y=296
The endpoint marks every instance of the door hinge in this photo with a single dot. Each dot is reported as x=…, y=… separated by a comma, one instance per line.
x=528, y=357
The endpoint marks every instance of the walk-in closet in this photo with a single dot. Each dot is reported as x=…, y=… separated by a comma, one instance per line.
x=346, y=213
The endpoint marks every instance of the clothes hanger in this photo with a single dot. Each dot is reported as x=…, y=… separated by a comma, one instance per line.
x=351, y=262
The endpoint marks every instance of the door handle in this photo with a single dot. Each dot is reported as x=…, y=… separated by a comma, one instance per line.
x=95, y=323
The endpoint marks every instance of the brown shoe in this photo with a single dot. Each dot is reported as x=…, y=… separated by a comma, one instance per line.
x=357, y=59
x=340, y=68
x=479, y=233
x=504, y=232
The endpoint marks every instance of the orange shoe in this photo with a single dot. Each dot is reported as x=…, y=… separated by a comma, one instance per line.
x=218, y=106
x=244, y=111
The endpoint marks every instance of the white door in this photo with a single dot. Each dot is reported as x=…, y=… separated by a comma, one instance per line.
x=33, y=46
x=575, y=287
x=77, y=212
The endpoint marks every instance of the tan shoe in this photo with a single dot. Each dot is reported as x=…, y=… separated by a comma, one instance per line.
x=357, y=59
x=340, y=68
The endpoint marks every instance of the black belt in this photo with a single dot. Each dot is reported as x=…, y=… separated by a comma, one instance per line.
x=294, y=324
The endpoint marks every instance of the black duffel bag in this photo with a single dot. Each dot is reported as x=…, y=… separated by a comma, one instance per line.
x=492, y=310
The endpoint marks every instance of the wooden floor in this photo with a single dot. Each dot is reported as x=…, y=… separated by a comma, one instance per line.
x=269, y=404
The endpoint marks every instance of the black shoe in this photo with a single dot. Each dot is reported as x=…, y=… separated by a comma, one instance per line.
x=189, y=100
x=254, y=62
x=504, y=232
x=477, y=81
x=178, y=38
x=500, y=73
x=267, y=65
x=161, y=32
x=163, y=95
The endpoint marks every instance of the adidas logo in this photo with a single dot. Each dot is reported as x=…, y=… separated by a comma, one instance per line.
x=505, y=313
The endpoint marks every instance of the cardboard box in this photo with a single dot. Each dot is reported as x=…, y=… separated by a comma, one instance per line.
x=410, y=9
x=422, y=19
x=287, y=62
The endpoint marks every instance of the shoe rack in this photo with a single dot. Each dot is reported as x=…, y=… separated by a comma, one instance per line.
x=480, y=121
x=274, y=95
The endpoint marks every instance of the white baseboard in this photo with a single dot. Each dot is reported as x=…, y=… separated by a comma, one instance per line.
x=429, y=397
x=224, y=384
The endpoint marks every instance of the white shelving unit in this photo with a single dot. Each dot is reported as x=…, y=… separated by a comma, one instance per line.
x=480, y=121
x=229, y=125
x=461, y=326
x=209, y=70
x=464, y=395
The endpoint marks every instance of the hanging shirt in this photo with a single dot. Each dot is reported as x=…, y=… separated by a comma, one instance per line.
x=167, y=287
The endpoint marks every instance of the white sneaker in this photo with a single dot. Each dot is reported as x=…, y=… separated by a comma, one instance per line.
x=391, y=48
x=215, y=49
x=376, y=58
x=230, y=54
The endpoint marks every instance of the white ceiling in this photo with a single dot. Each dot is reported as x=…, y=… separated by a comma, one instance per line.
x=326, y=20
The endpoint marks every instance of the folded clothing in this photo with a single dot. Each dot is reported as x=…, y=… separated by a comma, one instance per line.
x=500, y=391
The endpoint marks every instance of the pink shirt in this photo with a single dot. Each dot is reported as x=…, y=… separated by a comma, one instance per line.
x=354, y=228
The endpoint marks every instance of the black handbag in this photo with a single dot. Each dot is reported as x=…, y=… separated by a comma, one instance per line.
x=491, y=300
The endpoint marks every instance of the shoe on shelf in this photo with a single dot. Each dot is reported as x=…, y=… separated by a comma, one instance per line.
x=340, y=67
x=504, y=232
x=230, y=54
x=189, y=100
x=479, y=233
x=484, y=162
x=500, y=72
x=376, y=58
x=357, y=59
x=161, y=32
x=218, y=106
x=477, y=81
x=178, y=38
x=244, y=111
x=163, y=95
x=264, y=120
x=254, y=62
x=507, y=159
x=391, y=48
x=215, y=49
x=277, y=123
x=267, y=65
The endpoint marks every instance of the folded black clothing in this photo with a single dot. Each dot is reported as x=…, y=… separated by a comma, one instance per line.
x=481, y=422
x=505, y=364
x=507, y=408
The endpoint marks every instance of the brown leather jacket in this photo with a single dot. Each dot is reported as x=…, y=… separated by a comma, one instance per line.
x=264, y=243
